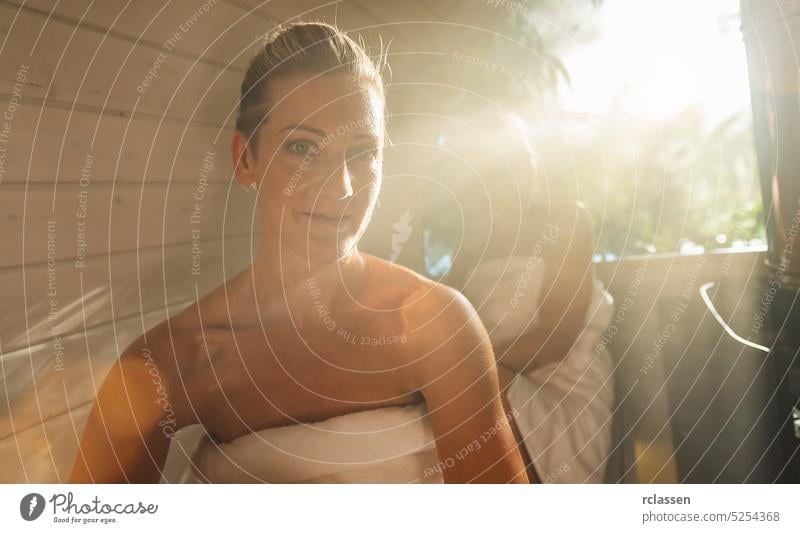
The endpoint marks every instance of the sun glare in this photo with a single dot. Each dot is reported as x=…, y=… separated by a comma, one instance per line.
x=654, y=58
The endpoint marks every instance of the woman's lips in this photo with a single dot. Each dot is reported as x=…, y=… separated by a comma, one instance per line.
x=327, y=220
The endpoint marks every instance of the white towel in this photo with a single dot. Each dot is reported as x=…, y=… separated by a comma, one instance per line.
x=563, y=409
x=386, y=445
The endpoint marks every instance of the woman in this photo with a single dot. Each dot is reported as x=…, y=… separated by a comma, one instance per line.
x=326, y=332
x=535, y=290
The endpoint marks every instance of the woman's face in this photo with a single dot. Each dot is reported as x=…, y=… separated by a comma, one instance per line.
x=317, y=164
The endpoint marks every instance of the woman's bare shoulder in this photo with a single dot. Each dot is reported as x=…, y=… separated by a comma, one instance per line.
x=393, y=275
x=438, y=320
x=173, y=345
x=167, y=347
x=424, y=302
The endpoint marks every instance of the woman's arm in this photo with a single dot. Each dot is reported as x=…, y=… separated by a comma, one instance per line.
x=129, y=429
x=566, y=294
x=458, y=378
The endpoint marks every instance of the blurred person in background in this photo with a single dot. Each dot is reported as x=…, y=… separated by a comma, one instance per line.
x=523, y=257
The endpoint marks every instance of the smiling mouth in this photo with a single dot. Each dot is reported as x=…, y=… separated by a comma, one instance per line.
x=328, y=220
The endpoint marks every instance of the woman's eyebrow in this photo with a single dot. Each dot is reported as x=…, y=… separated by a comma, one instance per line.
x=294, y=127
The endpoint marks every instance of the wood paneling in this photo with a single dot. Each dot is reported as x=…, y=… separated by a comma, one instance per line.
x=214, y=34
x=48, y=300
x=661, y=324
x=117, y=218
x=42, y=384
x=72, y=64
x=45, y=453
x=50, y=144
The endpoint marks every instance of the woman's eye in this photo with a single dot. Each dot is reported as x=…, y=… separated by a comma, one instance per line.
x=301, y=147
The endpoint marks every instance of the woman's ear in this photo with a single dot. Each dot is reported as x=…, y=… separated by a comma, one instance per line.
x=244, y=166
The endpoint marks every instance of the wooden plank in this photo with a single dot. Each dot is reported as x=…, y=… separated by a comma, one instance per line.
x=413, y=42
x=348, y=16
x=40, y=385
x=660, y=319
x=45, y=453
x=48, y=451
x=213, y=31
x=115, y=218
x=665, y=272
x=283, y=11
x=448, y=9
x=110, y=73
x=414, y=25
x=47, y=144
x=387, y=11
x=54, y=300
x=33, y=40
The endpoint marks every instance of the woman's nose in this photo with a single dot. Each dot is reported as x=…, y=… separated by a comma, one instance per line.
x=339, y=184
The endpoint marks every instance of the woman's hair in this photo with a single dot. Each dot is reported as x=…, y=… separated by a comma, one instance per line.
x=301, y=47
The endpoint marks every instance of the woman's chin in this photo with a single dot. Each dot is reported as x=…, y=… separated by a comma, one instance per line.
x=322, y=248
x=320, y=241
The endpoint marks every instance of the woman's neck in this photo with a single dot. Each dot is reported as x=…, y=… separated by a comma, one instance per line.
x=281, y=277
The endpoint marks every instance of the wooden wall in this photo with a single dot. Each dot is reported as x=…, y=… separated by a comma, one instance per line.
x=101, y=178
x=694, y=405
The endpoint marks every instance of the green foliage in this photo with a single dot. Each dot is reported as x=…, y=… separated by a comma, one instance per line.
x=675, y=185
x=651, y=186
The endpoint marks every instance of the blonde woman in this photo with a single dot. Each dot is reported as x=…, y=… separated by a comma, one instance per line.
x=318, y=362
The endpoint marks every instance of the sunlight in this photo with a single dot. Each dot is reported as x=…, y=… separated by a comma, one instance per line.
x=654, y=58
